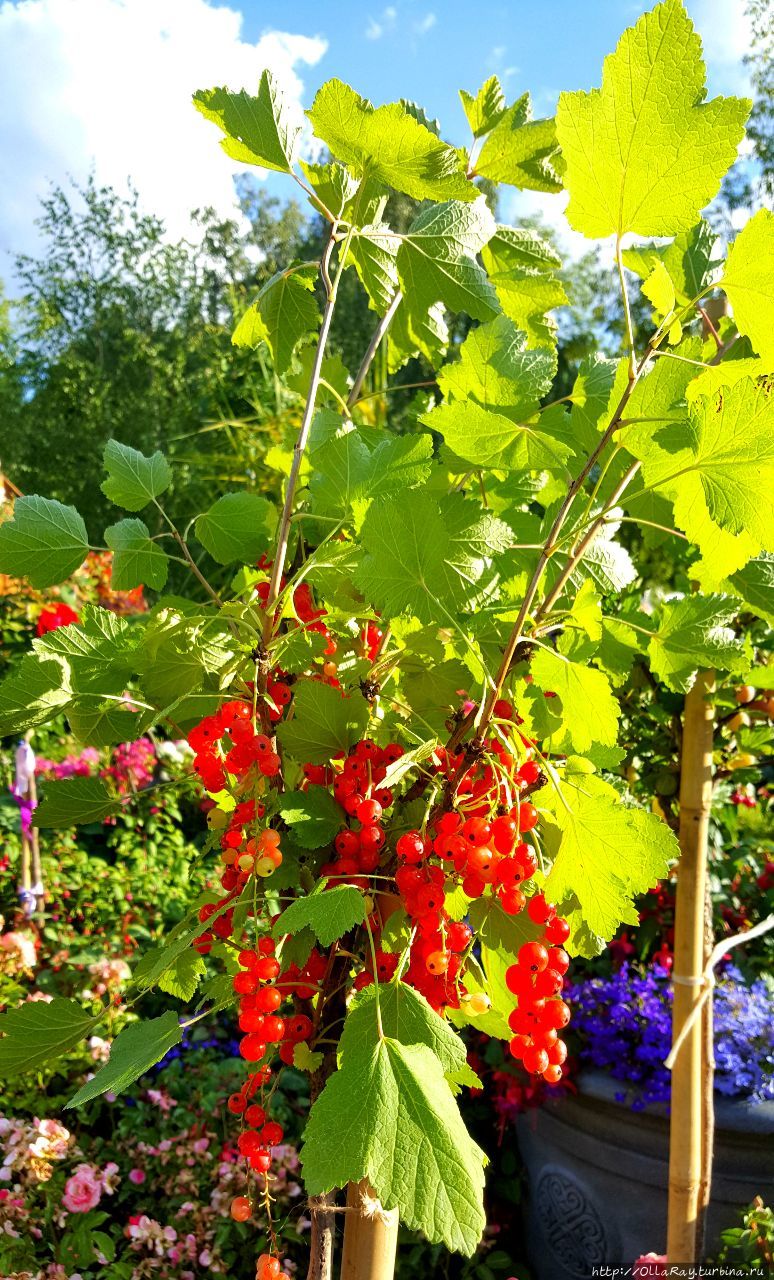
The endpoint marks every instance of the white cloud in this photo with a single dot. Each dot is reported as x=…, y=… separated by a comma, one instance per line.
x=378, y=27
x=108, y=84
x=496, y=62
x=425, y=24
x=726, y=33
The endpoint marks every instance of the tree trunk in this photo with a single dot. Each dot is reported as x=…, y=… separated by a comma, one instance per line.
x=370, y=1236
x=690, y=1131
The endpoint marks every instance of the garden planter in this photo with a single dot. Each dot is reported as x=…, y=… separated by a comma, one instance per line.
x=598, y=1176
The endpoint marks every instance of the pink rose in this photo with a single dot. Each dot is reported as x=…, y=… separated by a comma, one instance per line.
x=137, y=1177
x=82, y=1191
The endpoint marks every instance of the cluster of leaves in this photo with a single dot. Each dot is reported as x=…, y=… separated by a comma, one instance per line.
x=486, y=539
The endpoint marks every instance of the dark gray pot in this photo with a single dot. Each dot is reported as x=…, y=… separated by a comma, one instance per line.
x=598, y=1175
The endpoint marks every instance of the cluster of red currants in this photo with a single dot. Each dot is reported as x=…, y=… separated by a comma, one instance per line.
x=536, y=980
x=264, y=1028
x=309, y=617
x=356, y=788
x=226, y=743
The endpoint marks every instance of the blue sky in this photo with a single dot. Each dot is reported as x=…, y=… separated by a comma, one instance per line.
x=105, y=85
x=427, y=51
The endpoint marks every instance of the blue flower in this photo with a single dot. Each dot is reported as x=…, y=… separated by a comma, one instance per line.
x=624, y=1023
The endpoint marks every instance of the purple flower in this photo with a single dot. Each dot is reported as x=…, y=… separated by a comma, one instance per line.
x=624, y=1023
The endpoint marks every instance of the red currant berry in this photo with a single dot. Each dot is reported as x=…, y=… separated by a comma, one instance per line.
x=539, y=910
x=240, y=1209
x=557, y=930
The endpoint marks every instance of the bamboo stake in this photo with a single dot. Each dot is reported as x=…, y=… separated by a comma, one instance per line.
x=370, y=1236
x=708, y=1086
x=687, y=1137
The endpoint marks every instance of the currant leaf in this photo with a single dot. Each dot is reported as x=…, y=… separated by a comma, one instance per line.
x=645, y=153
x=133, y=1052
x=389, y=144
x=519, y=151
x=605, y=854
x=237, y=527
x=695, y=633
x=43, y=542
x=284, y=313
x=436, y=260
x=137, y=560
x=328, y=913
x=259, y=129
x=324, y=722
x=748, y=279
x=133, y=480
x=41, y=1031
x=75, y=802
x=413, y=1147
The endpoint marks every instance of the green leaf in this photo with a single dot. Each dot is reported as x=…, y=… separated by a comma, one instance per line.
x=44, y=541
x=137, y=560
x=134, y=480
x=589, y=708
x=436, y=260
x=284, y=313
x=389, y=144
x=329, y=913
x=296, y=651
x=305, y=1059
x=259, y=130
x=485, y=109
x=491, y=441
x=397, y=1124
x=496, y=370
x=236, y=528
x=341, y=463
x=605, y=855
x=374, y=251
x=694, y=633
x=432, y=690
x=324, y=722
x=33, y=693
x=179, y=652
x=133, y=1052
x=399, y=463
x=407, y=1017
x=688, y=260
x=183, y=977
x=520, y=151
x=645, y=153
x=755, y=584
x=519, y=265
x=74, y=802
x=413, y=334
x=720, y=479
x=102, y=722
x=748, y=279
x=659, y=290
x=334, y=186
x=39, y=1032
x=97, y=648
x=314, y=816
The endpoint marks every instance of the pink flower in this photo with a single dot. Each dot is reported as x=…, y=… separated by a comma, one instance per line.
x=137, y=1176
x=651, y=1266
x=82, y=1190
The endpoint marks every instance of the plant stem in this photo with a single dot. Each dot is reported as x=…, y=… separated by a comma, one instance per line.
x=372, y=348
x=280, y=555
x=582, y=547
x=627, y=309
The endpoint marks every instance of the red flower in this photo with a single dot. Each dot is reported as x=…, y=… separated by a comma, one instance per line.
x=59, y=615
